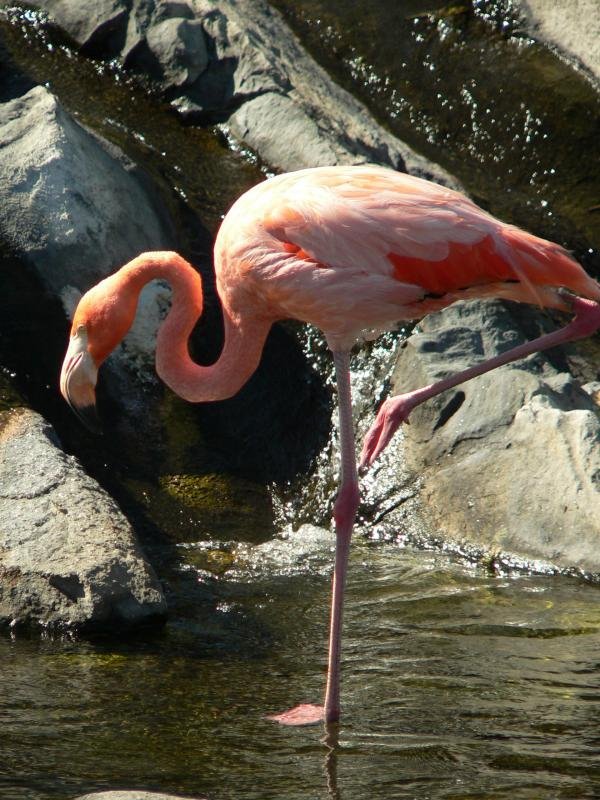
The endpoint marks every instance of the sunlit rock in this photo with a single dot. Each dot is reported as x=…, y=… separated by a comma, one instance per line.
x=180, y=48
x=56, y=570
x=73, y=204
x=510, y=461
x=573, y=27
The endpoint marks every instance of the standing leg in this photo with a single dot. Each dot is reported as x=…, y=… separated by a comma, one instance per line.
x=344, y=513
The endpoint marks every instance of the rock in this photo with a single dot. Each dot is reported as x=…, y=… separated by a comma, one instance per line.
x=89, y=22
x=250, y=73
x=180, y=48
x=74, y=206
x=574, y=28
x=343, y=123
x=308, y=145
x=510, y=461
x=68, y=557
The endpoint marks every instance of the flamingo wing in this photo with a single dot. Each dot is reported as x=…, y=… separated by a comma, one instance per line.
x=356, y=248
x=364, y=245
x=371, y=219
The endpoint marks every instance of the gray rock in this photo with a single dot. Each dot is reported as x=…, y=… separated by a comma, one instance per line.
x=72, y=204
x=180, y=48
x=510, y=461
x=88, y=22
x=258, y=80
x=573, y=28
x=288, y=93
x=76, y=208
x=68, y=556
x=308, y=144
x=243, y=63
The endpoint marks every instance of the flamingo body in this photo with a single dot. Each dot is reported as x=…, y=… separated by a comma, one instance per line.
x=351, y=250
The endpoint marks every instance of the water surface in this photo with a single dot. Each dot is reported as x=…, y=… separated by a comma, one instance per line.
x=457, y=684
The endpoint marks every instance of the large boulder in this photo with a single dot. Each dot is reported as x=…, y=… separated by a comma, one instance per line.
x=68, y=557
x=74, y=208
x=51, y=169
x=508, y=463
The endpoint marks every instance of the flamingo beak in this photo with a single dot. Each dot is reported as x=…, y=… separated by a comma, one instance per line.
x=78, y=380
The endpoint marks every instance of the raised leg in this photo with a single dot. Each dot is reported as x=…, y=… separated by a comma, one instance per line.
x=344, y=514
x=396, y=410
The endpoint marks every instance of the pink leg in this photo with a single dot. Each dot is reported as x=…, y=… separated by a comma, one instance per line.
x=396, y=410
x=344, y=514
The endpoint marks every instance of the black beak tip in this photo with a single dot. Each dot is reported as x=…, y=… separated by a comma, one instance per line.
x=88, y=416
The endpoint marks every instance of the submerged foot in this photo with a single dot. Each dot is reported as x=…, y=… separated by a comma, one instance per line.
x=304, y=714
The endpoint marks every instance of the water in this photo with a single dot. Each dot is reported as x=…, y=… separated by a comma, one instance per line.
x=457, y=683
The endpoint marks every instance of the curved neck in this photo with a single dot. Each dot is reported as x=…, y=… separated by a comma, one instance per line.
x=245, y=334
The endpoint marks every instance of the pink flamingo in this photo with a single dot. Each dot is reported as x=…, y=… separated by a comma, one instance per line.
x=347, y=249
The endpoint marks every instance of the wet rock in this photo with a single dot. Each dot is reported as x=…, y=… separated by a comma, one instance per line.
x=239, y=63
x=510, y=461
x=68, y=557
x=574, y=28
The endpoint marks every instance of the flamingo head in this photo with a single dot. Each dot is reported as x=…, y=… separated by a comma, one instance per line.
x=102, y=318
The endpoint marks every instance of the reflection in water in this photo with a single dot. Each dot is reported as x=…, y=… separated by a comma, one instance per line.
x=331, y=740
x=457, y=683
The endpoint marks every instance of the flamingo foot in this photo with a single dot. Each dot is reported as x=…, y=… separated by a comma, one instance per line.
x=304, y=714
x=393, y=412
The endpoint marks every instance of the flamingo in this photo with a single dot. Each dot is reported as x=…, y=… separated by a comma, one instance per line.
x=349, y=250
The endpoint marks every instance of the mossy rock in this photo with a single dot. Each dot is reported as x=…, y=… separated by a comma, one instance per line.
x=189, y=508
x=185, y=448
